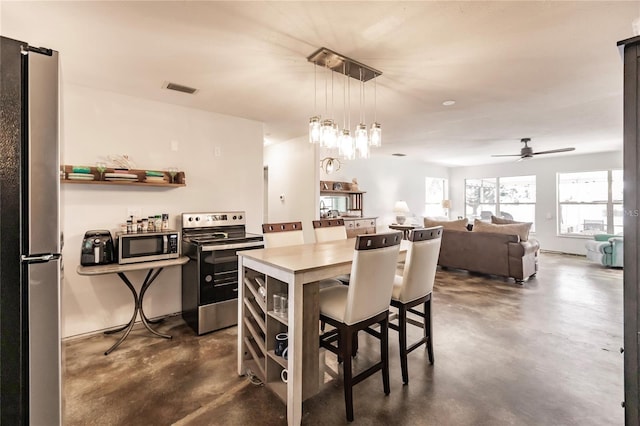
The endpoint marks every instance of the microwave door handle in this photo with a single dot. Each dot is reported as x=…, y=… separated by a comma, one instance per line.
x=165, y=244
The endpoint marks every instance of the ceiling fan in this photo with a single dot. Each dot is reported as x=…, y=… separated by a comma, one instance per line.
x=527, y=151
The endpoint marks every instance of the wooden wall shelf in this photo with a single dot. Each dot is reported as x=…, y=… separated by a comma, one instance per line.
x=179, y=178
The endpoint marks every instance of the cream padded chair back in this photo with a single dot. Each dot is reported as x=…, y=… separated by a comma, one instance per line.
x=282, y=234
x=329, y=230
x=372, y=273
x=420, y=264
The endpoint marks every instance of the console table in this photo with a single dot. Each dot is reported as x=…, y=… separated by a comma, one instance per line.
x=154, y=267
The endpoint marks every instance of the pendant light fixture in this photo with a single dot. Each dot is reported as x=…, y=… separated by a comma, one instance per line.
x=375, y=133
x=314, y=122
x=325, y=131
x=362, y=139
x=346, y=143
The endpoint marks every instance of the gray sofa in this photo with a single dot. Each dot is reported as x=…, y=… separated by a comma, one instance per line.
x=488, y=253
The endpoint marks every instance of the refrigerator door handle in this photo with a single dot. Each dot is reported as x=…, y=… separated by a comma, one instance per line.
x=40, y=258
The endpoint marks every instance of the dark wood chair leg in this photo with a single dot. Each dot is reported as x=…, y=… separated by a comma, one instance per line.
x=346, y=339
x=384, y=352
x=355, y=344
x=402, y=343
x=428, y=329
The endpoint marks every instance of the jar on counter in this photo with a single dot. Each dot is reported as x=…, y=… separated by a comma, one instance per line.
x=151, y=225
x=145, y=224
x=158, y=223
x=129, y=226
x=165, y=221
x=139, y=225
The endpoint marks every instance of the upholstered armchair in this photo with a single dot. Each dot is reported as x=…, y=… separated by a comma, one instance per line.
x=606, y=249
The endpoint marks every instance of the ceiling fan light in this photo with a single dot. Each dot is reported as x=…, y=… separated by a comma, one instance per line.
x=375, y=135
x=314, y=129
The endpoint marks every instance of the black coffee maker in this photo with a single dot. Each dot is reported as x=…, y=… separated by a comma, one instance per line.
x=97, y=248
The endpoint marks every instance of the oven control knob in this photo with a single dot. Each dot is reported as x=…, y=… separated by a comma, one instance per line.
x=240, y=217
x=208, y=278
x=235, y=217
x=197, y=218
x=190, y=219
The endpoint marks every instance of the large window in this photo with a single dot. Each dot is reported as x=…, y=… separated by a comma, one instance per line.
x=436, y=192
x=590, y=202
x=510, y=197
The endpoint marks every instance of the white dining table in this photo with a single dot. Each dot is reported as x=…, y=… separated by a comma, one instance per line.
x=301, y=267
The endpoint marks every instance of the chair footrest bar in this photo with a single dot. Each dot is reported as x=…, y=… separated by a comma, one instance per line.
x=417, y=344
x=366, y=373
x=414, y=322
x=418, y=313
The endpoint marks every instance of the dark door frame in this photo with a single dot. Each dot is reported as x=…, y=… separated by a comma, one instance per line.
x=630, y=50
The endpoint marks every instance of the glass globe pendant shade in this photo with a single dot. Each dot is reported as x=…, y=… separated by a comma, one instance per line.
x=314, y=129
x=332, y=142
x=362, y=142
x=375, y=135
x=327, y=133
x=346, y=145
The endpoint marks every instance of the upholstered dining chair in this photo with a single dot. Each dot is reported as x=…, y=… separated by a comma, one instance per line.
x=413, y=288
x=289, y=234
x=331, y=230
x=362, y=304
x=282, y=234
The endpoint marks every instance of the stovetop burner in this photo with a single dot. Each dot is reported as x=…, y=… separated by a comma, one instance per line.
x=215, y=228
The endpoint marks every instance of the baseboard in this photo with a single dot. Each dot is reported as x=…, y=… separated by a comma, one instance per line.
x=95, y=332
x=561, y=252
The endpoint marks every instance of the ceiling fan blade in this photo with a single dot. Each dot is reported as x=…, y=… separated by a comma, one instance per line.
x=554, y=150
x=507, y=155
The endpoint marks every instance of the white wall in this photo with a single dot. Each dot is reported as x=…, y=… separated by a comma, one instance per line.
x=545, y=170
x=387, y=180
x=97, y=124
x=293, y=171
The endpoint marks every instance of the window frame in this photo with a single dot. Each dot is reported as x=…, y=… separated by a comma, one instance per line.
x=438, y=204
x=498, y=203
x=610, y=204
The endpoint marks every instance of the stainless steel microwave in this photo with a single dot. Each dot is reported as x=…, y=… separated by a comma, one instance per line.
x=148, y=246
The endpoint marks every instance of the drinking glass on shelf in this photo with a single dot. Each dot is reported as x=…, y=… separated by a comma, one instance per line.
x=101, y=167
x=173, y=171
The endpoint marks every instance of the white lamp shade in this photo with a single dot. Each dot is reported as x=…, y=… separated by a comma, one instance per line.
x=401, y=207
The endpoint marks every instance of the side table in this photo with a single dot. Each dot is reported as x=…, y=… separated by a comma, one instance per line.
x=406, y=229
x=154, y=267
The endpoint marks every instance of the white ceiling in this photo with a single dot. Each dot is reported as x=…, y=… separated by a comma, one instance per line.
x=548, y=70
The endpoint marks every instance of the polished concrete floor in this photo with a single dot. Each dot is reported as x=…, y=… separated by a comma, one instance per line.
x=545, y=353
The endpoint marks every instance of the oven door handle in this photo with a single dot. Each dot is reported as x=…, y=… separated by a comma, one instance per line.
x=254, y=244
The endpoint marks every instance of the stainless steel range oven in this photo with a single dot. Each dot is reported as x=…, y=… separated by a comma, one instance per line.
x=210, y=278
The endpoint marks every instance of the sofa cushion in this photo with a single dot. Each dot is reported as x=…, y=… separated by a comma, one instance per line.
x=519, y=229
x=456, y=225
x=502, y=221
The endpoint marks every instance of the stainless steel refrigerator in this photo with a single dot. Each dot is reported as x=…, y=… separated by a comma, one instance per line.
x=30, y=237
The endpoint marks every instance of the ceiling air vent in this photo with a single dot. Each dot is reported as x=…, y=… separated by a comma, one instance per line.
x=180, y=88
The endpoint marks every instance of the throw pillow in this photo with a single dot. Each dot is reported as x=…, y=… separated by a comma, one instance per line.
x=457, y=225
x=519, y=229
x=502, y=221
